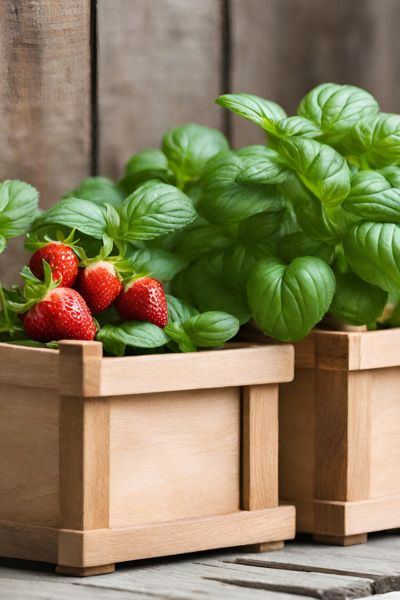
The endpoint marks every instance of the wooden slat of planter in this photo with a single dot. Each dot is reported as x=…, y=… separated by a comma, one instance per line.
x=260, y=447
x=149, y=482
x=357, y=517
x=28, y=455
x=342, y=435
x=281, y=49
x=24, y=541
x=159, y=66
x=32, y=367
x=162, y=539
x=196, y=370
x=84, y=445
x=338, y=350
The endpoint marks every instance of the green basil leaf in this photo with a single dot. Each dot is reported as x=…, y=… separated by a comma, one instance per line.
x=204, y=285
x=224, y=201
x=377, y=139
x=211, y=329
x=176, y=332
x=337, y=108
x=373, y=252
x=137, y=334
x=259, y=228
x=199, y=239
x=238, y=261
x=328, y=225
x=100, y=190
x=392, y=175
x=321, y=169
x=3, y=243
x=297, y=126
x=179, y=311
x=298, y=244
x=372, y=198
x=287, y=301
x=189, y=147
x=264, y=113
x=75, y=213
x=18, y=206
x=145, y=165
x=261, y=165
x=357, y=302
x=159, y=263
x=154, y=209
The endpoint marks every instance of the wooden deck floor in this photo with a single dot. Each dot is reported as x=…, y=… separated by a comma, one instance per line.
x=302, y=570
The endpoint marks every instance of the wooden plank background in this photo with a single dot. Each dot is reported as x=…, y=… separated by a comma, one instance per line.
x=86, y=83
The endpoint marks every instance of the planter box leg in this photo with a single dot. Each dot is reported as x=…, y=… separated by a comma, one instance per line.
x=341, y=540
x=264, y=547
x=85, y=571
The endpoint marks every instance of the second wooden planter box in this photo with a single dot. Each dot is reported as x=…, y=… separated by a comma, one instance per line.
x=105, y=460
x=340, y=435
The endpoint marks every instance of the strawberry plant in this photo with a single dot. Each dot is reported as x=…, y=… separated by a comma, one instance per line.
x=96, y=267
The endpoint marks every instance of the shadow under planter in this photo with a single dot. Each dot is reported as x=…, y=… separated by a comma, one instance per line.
x=340, y=435
x=104, y=460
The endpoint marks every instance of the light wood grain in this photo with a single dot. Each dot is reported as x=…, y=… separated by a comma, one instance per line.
x=28, y=455
x=333, y=42
x=159, y=66
x=352, y=518
x=297, y=437
x=341, y=540
x=84, y=439
x=174, y=455
x=385, y=432
x=197, y=370
x=260, y=447
x=85, y=571
x=343, y=442
x=177, y=537
x=80, y=368
x=20, y=540
x=84, y=462
x=40, y=366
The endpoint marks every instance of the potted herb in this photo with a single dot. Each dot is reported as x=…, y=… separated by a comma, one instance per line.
x=301, y=233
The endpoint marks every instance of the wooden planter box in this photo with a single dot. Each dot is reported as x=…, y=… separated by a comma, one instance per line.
x=105, y=460
x=340, y=435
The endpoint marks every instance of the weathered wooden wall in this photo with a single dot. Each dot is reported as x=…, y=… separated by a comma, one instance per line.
x=85, y=83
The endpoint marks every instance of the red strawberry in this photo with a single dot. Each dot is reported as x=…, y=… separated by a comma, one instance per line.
x=99, y=285
x=143, y=300
x=62, y=260
x=61, y=315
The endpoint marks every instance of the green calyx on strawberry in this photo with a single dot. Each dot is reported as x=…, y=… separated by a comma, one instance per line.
x=143, y=299
x=52, y=313
x=60, y=254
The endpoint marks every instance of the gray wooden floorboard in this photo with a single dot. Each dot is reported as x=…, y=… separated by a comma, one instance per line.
x=301, y=571
x=379, y=560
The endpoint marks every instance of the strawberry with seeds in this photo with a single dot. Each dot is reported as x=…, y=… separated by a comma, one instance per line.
x=143, y=299
x=99, y=280
x=53, y=313
x=59, y=255
x=100, y=285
